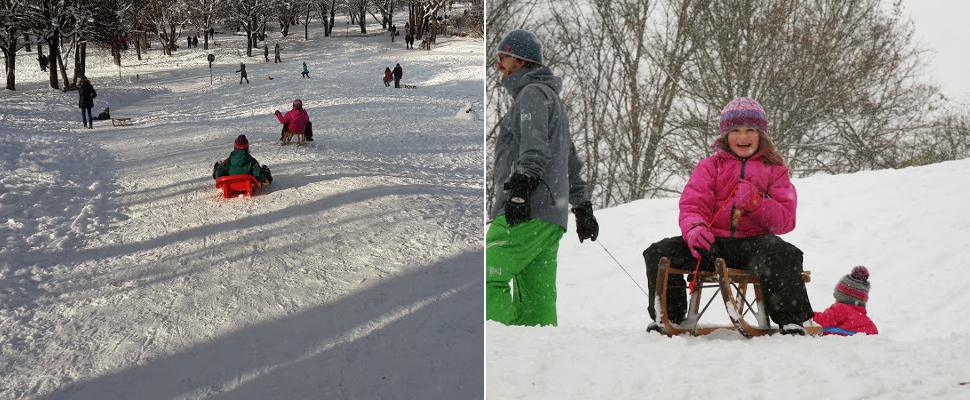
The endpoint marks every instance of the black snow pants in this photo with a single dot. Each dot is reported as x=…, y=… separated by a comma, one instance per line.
x=776, y=263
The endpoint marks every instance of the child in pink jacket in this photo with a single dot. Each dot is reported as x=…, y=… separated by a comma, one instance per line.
x=295, y=120
x=848, y=315
x=734, y=205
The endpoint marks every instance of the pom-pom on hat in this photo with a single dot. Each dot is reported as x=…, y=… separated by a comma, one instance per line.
x=854, y=287
x=744, y=111
x=521, y=44
x=241, y=143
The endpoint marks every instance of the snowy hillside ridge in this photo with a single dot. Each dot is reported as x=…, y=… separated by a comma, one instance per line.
x=908, y=226
x=356, y=274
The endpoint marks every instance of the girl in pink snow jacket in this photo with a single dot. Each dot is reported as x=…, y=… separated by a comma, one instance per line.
x=295, y=120
x=848, y=315
x=734, y=205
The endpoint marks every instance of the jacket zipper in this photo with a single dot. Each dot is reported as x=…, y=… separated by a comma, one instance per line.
x=743, y=161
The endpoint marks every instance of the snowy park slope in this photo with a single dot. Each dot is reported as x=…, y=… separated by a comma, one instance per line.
x=909, y=226
x=356, y=275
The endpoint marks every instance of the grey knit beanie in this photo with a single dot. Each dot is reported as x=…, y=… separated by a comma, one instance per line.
x=854, y=287
x=521, y=44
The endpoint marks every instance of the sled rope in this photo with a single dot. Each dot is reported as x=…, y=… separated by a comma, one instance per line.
x=697, y=268
x=624, y=269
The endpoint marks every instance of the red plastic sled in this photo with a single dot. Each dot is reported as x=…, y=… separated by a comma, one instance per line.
x=233, y=185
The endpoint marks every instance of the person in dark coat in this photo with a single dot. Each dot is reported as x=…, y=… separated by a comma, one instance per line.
x=188, y=42
x=86, y=93
x=393, y=31
x=212, y=33
x=242, y=68
x=240, y=162
x=276, y=52
x=409, y=41
x=42, y=59
x=195, y=41
x=266, y=52
x=398, y=73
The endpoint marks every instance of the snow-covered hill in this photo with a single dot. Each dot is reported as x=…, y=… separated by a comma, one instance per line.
x=358, y=275
x=909, y=226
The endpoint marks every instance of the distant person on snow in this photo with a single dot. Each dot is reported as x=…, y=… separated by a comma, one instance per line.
x=240, y=162
x=297, y=120
x=387, y=77
x=242, y=68
x=733, y=206
x=195, y=41
x=266, y=52
x=42, y=59
x=306, y=71
x=188, y=42
x=398, y=73
x=409, y=41
x=848, y=315
x=276, y=54
x=86, y=94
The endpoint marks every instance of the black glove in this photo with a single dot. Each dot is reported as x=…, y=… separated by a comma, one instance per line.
x=517, y=208
x=586, y=225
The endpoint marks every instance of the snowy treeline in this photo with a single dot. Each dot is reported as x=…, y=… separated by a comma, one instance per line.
x=644, y=82
x=66, y=27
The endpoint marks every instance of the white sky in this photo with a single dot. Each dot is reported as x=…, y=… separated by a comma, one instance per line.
x=943, y=26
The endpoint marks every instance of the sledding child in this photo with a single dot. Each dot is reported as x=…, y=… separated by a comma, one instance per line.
x=240, y=162
x=387, y=77
x=295, y=121
x=848, y=315
x=733, y=206
x=306, y=71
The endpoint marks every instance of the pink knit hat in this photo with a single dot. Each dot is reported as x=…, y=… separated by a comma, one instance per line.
x=744, y=111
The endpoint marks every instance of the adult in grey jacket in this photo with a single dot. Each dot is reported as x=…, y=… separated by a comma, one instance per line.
x=537, y=176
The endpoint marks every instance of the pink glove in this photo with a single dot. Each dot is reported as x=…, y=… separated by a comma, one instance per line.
x=747, y=197
x=699, y=237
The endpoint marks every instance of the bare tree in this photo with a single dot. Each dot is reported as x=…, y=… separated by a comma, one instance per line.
x=169, y=19
x=202, y=14
x=15, y=21
x=327, y=9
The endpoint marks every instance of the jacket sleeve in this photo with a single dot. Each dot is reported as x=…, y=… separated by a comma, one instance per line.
x=776, y=213
x=832, y=316
x=577, y=186
x=533, y=120
x=697, y=200
x=94, y=93
x=280, y=117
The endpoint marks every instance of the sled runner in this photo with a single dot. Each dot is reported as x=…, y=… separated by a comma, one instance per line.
x=288, y=136
x=740, y=292
x=234, y=185
x=120, y=121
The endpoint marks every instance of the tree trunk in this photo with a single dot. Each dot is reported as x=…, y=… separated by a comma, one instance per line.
x=306, y=25
x=27, y=42
x=250, y=36
x=53, y=52
x=60, y=61
x=138, y=46
x=11, y=58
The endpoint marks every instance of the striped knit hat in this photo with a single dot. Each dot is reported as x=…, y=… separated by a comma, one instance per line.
x=744, y=111
x=854, y=287
x=241, y=143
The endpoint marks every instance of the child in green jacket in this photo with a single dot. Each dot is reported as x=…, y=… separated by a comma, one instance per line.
x=240, y=162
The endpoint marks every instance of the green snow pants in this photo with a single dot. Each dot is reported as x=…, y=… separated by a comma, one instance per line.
x=525, y=257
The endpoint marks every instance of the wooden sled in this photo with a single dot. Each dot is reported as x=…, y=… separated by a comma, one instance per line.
x=120, y=121
x=288, y=136
x=234, y=185
x=740, y=292
x=409, y=86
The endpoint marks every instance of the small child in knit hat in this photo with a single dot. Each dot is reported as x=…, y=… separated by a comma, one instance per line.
x=848, y=315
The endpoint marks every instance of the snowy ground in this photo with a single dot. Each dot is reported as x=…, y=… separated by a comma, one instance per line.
x=358, y=275
x=909, y=226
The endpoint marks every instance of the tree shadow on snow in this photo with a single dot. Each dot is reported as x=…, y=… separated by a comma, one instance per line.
x=414, y=335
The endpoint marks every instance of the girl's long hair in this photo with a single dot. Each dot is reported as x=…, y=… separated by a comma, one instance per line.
x=769, y=155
